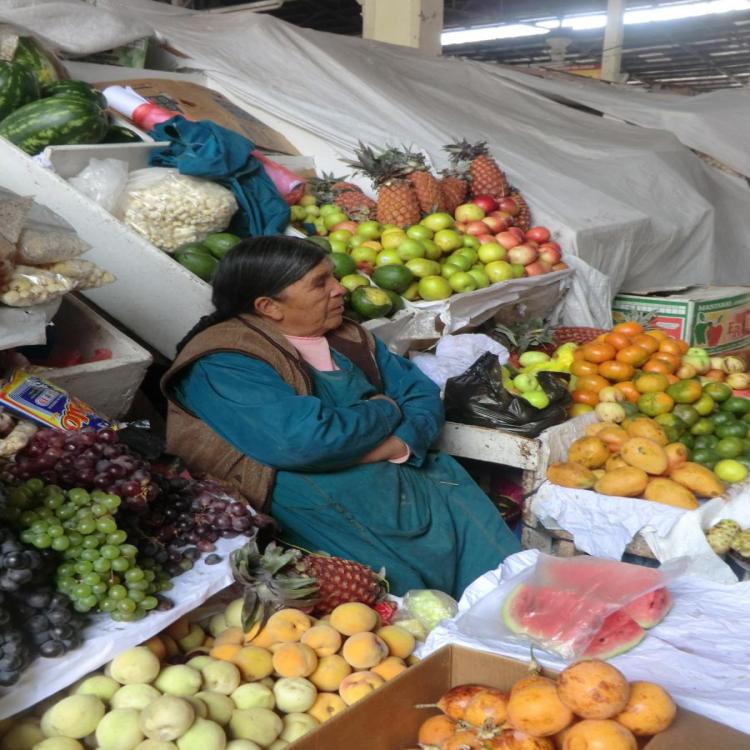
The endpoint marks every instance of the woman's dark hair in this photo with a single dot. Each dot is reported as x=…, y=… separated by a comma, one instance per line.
x=256, y=267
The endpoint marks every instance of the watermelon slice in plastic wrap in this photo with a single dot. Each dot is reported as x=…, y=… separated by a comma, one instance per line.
x=650, y=609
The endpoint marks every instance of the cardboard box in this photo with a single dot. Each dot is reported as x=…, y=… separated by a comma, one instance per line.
x=716, y=318
x=387, y=719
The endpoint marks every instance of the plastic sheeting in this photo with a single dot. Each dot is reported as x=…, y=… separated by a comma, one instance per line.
x=637, y=208
x=698, y=652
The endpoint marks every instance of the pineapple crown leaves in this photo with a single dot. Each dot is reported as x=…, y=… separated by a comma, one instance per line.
x=267, y=587
x=381, y=167
x=464, y=151
x=522, y=336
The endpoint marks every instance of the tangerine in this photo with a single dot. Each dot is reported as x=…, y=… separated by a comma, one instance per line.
x=654, y=403
x=657, y=365
x=581, y=368
x=672, y=378
x=634, y=355
x=592, y=383
x=652, y=382
x=629, y=389
x=649, y=343
x=618, y=340
x=578, y=353
x=670, y=346
x=671, y=359
x=658, y=334
x=588, y=398
x=629, y=328
x=598, y=352
x=616, y=371
x=684, y=346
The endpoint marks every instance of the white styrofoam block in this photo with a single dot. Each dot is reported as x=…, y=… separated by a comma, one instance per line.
x=109, y=386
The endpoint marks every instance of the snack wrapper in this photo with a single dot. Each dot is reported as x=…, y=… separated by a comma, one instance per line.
x=36, y=399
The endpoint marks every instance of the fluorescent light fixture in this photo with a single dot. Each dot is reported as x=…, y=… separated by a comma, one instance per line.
x=654, y=14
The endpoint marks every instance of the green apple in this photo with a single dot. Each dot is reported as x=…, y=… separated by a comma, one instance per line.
x=297, y=213
x=498, y=270
x=480, y=277
x=370, y=230
x=389, y=257
x=312, y=212
x=363, y=254
x=329, y=208
x=437, y=221
x=340, y=235
x=461, y=261
x=391, y=239
x=461, y=281
x=448, y=269
x=434, y=288
x=431, y=250
x=308, y=200
x=419, y=232
x=468, y=252
x=471, y=241
x=320, y=227
x=525, y=382
x=352, y=280
x=358, y=240
x=532, y=358
x=448, y=239
x=333, y=218
x=538, y=399
x=422, y=267
x=518, y=270
x=337, y=246
x=492, y=251
x=409, y=249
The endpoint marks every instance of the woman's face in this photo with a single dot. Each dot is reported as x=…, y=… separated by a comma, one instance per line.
x=311, y=306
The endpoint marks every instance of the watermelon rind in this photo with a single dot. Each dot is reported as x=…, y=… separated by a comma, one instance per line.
x=33, y=56
x=619, y=633
x=75, y=88
x=650, y=609
x=18, y=86
x=513, y=624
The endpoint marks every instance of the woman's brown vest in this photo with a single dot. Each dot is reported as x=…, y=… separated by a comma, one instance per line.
x=204, y=450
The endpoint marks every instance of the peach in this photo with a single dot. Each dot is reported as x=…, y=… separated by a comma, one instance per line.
x=390, y=667
x=364, y=650
x=254, y=662
x=323, y=640
x=230, y=636
x=353, y=617
x=225, y=651
x=326, y=706
x=262, y=638
x=330, y=672
x=295, y=660
x=288, y=625
x=359, y=684
x=157, y=646
x=400, y=641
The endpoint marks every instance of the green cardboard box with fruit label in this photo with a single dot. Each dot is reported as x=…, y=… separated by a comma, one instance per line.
x=716, y=318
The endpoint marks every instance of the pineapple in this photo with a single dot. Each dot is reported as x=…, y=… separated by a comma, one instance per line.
x=517, y=338
x=397, y=202
x=425, y=184
x=486, y=176
x=346, y=195
x=454, y=188
x=523, y=218
x=280, y=578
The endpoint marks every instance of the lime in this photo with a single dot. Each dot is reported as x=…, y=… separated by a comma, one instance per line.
x=729, y=447
x=201, y=264
x=687, y=440
x=343, y=265
x=706, y=441
x=718, y=391
x=736, y=405
x=192, y=247
x=686, y=413
x=744, y=460
x=706, y=457
x=745, y=446
x=736, y=429
x=746, y=418
x=731, y=471
x=221, y=243
x=703, y=426
x=704, y=405
x=723, y=417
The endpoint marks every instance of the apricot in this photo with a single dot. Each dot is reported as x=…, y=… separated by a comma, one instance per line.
x=294, y=660
x=534, y=707
x=364, y=650
x=359, y=684
x=326, y=706
x=649, y=709
x=593, y=689
x=599, y=734
x=390, y=667
x=323, y=640
x=254, y=662
x=330, y=672
x=436, y=730
x=217, y=624
x=157, y=647
x=233, y=636
x=353, y=617
x=488, y=707
x=263, y=639
x=288, y=625
x=512, y=739
x=225, y=651
x=400, y=642
x=193, y=640
x=645, y=454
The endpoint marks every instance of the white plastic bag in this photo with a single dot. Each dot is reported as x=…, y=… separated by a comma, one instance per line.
x=170, y=209
x=83, y=273
x=40, y=244
x=103, y=180
x=30, y=286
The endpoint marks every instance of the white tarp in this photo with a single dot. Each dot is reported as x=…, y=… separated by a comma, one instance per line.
x=698, y=653
x=638, y=209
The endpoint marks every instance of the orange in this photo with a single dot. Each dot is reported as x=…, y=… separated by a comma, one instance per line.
x=634, y=355
x=627, y=387
x=653, y=404
x=618, y=340
x=598, y=352
x=585, y=397
x=652, y=382
x=649, y=343
x=592, y=383
x=686, y=391
x=657, y=365
x=658, y=334
x=684, y=346
x=673, y=359
x=670, y=346
x=616, y=371
x=578, y=353
x=629, y=328
x=581, y=367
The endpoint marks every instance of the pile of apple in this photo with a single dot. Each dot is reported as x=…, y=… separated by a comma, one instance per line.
x=476, y=247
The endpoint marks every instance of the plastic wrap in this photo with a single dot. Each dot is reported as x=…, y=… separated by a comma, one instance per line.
x=103, y=180
x=423, y=609
x=30, y=286
x=478, y=397
x=171, y=209
x=39, y=245
x=83, y=274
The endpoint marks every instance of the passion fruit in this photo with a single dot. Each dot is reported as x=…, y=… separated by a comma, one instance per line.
x=593, y=689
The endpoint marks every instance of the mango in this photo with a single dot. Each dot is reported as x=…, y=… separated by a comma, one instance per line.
x=588, y=451
x=669, y=492
x=626, y=482
x=647, y=428
x=698, y=479
x=645, y=454
x=572, y=475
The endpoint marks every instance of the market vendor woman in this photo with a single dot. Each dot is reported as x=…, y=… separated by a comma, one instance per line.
x=316, y=422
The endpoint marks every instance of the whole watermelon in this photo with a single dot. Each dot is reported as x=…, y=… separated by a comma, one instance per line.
x=18, y=86
x=57, y=120
x=33, y=56
x=75, y=88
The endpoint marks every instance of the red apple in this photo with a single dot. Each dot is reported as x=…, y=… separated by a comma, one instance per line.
x=538, y=234
x=460, y=226
x=469, y=212
x=509, y=205
x=508, y=239
x=486, y=202
x=517, y=233
x=551, y=243
x=485, y=238
x=495, y=224
x=531, y=243
x=522, y=254
x=550, y=254
x=560, y=266
x=476, y=228
x=538, y=268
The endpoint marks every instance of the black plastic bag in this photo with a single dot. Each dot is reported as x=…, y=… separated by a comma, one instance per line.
x=478, y=397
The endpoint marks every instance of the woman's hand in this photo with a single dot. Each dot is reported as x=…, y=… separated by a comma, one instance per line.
x=392, y=447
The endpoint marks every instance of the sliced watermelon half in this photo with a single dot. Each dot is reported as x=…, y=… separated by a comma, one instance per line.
x=618, y=634
x=650, y=609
